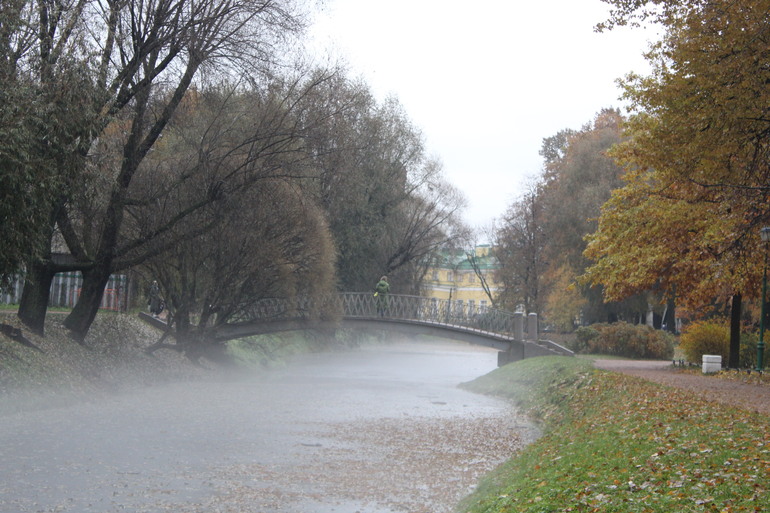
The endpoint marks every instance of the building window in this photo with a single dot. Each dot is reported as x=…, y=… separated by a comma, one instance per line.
x=435, y=275
x=449, y=276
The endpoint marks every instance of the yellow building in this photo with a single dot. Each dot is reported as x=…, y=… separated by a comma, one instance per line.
x=454, y=275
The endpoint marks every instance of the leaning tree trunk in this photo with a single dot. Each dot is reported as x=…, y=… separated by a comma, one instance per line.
x=40, y=272
x=95, y=279
x=187, y=335
x=83, y=314
x=34, y=297
x=196, y=341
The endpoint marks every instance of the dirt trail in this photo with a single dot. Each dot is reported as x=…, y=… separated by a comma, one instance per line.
x=742, y=392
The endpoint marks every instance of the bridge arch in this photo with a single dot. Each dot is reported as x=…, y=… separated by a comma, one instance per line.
x=495, y=328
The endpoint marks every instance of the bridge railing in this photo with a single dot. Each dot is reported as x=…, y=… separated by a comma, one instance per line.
x=365, y=305
x=425, y=309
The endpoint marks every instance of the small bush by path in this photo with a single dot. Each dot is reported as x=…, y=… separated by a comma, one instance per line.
x=616, y=443
x=624, y=339
x=712, y=336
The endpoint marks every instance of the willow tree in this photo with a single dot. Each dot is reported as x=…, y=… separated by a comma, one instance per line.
x=698, y=155
x=389, y=205
x=263, y=235
x=269, y=242
x=46, y=107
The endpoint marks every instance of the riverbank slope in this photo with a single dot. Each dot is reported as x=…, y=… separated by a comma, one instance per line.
x=42, y=371
x=615, y=442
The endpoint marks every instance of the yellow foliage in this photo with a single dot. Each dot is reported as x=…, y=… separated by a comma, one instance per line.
x=564, y=301
x=705, y=337
x=697, y=160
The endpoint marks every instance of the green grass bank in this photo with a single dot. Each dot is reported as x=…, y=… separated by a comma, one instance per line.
x=615, y=443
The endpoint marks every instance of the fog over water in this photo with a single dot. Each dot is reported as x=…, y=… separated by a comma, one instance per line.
x=375, y=430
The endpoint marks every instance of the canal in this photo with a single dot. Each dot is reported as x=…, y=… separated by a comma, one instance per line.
x=380, y=429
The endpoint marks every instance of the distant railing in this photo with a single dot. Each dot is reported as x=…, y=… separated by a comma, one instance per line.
x=65, y=291
x=364, y=305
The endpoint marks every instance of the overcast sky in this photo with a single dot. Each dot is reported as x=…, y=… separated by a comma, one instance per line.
x=485, y=81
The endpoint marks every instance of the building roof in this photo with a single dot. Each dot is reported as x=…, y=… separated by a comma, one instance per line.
x=458, y=259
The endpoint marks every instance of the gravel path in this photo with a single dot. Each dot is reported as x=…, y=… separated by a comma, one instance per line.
x=742, y=390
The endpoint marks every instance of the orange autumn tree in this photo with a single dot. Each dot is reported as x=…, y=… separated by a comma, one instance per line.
x=697, y=157
x=651, y=238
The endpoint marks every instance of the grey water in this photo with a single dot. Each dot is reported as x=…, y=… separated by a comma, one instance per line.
x=319, y=435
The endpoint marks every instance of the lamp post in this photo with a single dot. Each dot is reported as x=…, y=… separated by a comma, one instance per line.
x=765, y=234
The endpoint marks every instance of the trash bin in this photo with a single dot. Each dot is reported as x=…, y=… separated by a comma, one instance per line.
x=711, y=363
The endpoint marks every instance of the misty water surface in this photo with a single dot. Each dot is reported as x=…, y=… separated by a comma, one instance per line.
x=375, y=430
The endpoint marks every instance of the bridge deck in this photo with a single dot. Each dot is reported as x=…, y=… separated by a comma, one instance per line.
x=409, y=314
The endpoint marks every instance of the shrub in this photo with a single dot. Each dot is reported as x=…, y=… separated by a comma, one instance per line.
x=713, y=337
x=584, y=336
x=624, y=339
x=748, y=355
x=705, y=337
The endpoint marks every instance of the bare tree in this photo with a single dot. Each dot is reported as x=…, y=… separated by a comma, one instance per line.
x=477, y=264
x=143, y=56
x=188, y=35
x=426, y=221
x=519, y=249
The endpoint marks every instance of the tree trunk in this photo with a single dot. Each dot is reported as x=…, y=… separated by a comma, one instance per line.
x=734, y=359
x=95, y=279
x=33, y=304
x=82, y=316
x=34, y=297
x=669, y=319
